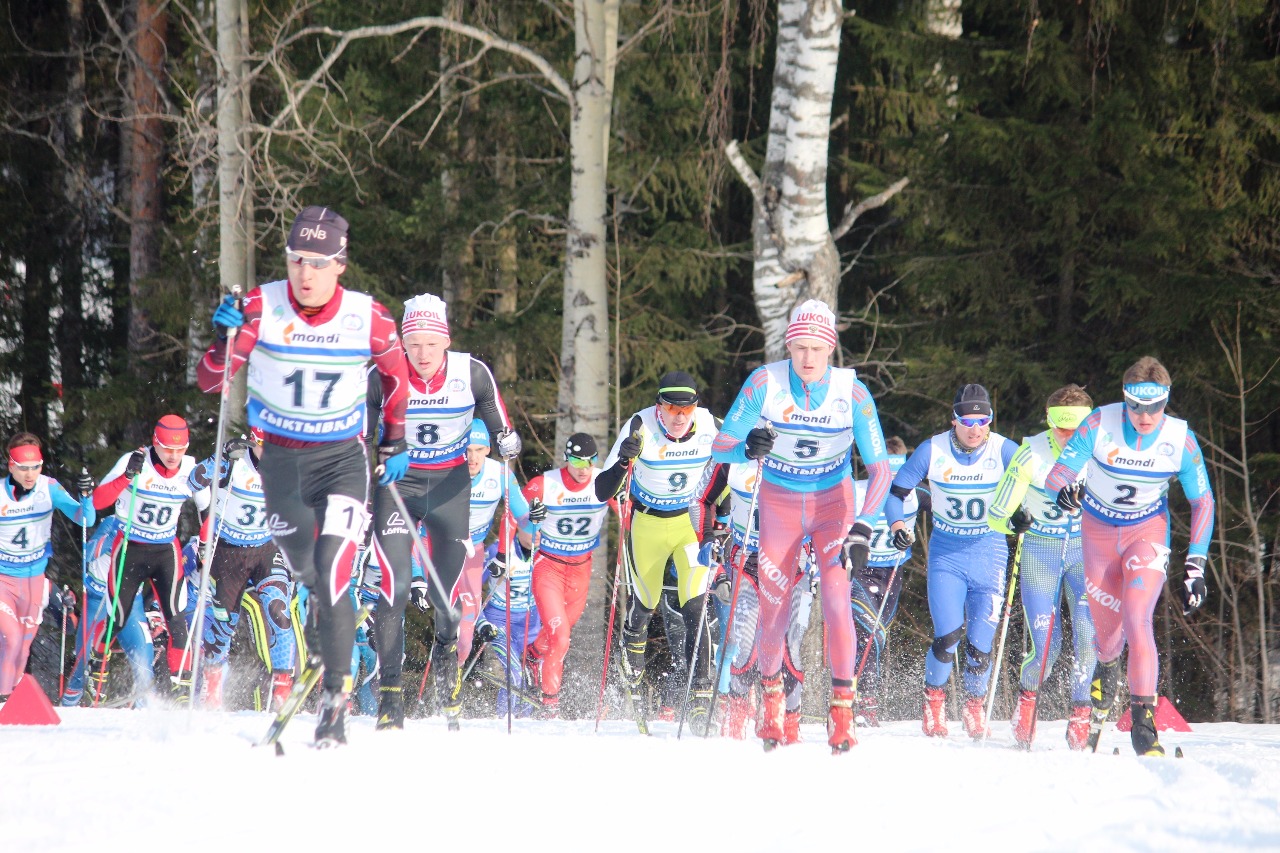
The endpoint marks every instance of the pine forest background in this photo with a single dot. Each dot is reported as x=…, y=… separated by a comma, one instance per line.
x=1089, y=181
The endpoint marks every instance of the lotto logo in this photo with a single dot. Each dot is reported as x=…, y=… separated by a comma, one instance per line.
x=313, y=233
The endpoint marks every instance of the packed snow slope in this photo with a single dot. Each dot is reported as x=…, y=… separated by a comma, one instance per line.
x=173, y=780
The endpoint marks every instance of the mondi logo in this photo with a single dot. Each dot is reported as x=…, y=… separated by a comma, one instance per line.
x=799, y=417
x=315, y=233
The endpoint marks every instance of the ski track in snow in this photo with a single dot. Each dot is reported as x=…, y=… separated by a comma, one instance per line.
x=113, y=779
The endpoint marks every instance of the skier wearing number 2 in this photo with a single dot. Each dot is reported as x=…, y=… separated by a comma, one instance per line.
x=1132, y=450
x=447, y=391
x=819, y=413
x=307, y=341
x=965, y=575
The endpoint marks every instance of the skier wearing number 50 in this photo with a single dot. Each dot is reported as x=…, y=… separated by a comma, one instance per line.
x=1132, y=450
x=965, y=576
x=307, y=341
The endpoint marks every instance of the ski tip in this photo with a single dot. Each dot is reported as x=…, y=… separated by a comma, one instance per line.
x=1116, y=751
x=1177, y=752
x=769, y=744
x=279, y=750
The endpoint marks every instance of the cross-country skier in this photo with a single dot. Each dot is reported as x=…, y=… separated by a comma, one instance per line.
x=447, y=391
x=567, y=536
x=875, y=589
x=1051, y=557
x=26, y=528
x=966, y=558
x=1129, y=452
x=244, y=557
x=148, y=487
x=665, y=448
x=307, y=341
x=819, y=413
x=526, y=625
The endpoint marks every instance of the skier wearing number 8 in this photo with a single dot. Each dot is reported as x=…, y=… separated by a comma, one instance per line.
x=820, y=412
x=447, y=391
x=147, y=487
x=1132, y=450
x=965, y=576
x=1051, y=558
x=568, y=530
x=308, y=341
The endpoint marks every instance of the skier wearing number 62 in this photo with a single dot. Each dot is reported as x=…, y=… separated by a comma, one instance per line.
x=1135, y=449
x=966, y=571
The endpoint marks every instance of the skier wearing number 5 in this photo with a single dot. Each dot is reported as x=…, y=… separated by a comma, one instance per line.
x=307, y=341
x=819, y=413
x=1132, y=450
x=966, y=570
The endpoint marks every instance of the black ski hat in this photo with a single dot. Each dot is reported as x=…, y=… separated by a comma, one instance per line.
x=678, y=388
x=972, y=400
x=320, y=230
x=580, y=445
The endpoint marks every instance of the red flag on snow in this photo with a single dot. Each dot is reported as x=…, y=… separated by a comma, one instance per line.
x=28, y=706
x=1167, y=718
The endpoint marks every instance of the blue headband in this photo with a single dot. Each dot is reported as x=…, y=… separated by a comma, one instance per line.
x=1146, y=392
x=479, y=434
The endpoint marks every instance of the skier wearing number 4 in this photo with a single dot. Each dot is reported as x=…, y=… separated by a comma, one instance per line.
x=307, y=341
x=965, y=576
x=447, y=391
x=1051, y=558
x=819, y=413
x=1129, y=452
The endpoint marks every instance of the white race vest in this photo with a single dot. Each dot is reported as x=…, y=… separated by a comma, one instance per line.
x=486, y=491
x=961, y=493
x=1129, y=485
x=242, y=520
x=521, y=574
x=438, y=426
x=810, y=444
x=25, y=526
x=882, y=551
x=309, y=383
x=1047, y=518
x=574, y=519
x=159, y=500
x=742, y=482
x=667, y=471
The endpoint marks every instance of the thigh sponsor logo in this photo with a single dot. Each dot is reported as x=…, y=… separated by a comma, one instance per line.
x=395, y=525
x=1103, y=597
x=1042, y=622
x=280, y=527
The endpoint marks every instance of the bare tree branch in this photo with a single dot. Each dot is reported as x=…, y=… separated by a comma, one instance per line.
x=853, y=211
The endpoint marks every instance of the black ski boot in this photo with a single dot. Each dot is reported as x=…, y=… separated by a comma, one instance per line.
x=700, y=706
x=1102, y=691
x=331, y=729
x=633, y=649
x=1143, y=733
x=448, y=676
x=390, y=707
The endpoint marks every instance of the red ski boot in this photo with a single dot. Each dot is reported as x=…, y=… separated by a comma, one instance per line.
x=934, y=718
x=974, y=716
x=1078, y=726
x=1024, y=718
x=771, y=724
x=212, y=698
x=790, y=728
x=841, y=735
x=281, y=687
x=737, y=715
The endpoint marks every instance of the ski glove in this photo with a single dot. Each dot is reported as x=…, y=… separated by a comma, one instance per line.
x=84, y=484
x=228, y=316
x=497, y=566
x=902, y=539
x=134, y=467
x=420, y=594
x=236, y=447
x=857, y=548
x=1070, y=498
x=486, y=633
x=1020, y=521
x=1193, y=585
x=537, y=511
x=509, y=444
x=709, y=553
x=722, y=589
x=393, y=459
x=631, y=446
x=760, y=442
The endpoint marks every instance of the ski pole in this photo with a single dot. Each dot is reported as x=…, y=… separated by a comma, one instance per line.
x=511, y=557
x=1016, y=561
x=697, y=641
x=198, y=618
x=753, y=521
x=1048, y=640
x=875, y=627
x=115, y=603
x=624, y=532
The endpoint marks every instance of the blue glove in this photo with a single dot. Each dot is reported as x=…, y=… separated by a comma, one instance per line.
x=393, y=456
x=228, y=316
x=708, y=554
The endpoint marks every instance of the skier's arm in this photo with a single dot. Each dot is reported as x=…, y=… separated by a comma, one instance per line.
x=388, y=358
x=1011, y=490
x=200, y=483
x=615, y=467
x=81, y=512
x=712, y=488
x=1074, y=456
x=209, y=370
x=1194, y=478
x=871, y=447
x=489, y=406
x=907, y=478
x=744, y=414
x=112, y=485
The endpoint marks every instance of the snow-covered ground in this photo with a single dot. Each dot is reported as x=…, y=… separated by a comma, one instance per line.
x=114, y=780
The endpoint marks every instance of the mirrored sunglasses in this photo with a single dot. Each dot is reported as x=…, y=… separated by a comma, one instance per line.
x=972, y=421
x=677, y=409
x=315, y=263
x=1140, y=407
x=36, y=466
x=581, y=461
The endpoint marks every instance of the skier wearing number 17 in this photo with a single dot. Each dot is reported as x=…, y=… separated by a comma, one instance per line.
x=819, y=413
x=966, y=567
x=1132, y=450
x=307, y=341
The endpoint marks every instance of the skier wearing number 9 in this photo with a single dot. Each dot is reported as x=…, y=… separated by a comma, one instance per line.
x=966, y=570
x=307, y=341
x=1132, y=450
x=147, y=487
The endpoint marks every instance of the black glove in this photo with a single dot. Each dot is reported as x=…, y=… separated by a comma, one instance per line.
x=420, y=594
x=1070, y=498
x=760, y=442
x=722, y=589
x=236, y=447
x=497, y=566
x=486, y=633
x=134, y=468
x=84, y=484
x=537, y=511
x=1194, y=589
x=902, y=539
x=631, y=446
x=857, y=548
x=1020, y=521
